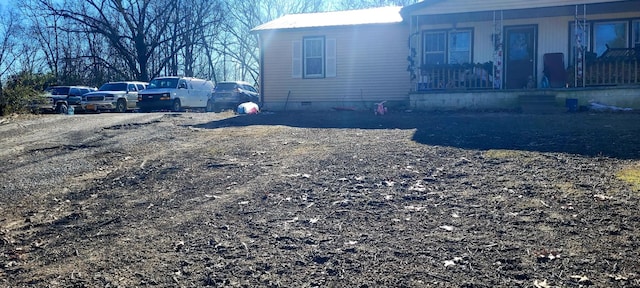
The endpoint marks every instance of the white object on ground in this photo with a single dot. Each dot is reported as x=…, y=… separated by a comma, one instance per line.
x=597, y=106
x=248, y=108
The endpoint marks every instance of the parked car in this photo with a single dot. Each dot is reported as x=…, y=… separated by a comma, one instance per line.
x=175, y=93
x=59, y=98
x=114, y=96
x=230, y=94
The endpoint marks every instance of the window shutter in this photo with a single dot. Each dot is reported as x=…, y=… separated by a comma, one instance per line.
x=296, y=61
x=330, y=58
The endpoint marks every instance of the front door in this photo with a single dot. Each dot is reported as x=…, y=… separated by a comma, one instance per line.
x=520, y=57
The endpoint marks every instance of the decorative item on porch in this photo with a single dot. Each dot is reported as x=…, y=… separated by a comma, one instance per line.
x=580, y=30
x=496, y=37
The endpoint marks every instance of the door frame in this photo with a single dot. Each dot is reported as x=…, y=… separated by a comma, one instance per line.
x=534, y=72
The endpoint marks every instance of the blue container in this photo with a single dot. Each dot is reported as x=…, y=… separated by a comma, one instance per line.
x=571, y=104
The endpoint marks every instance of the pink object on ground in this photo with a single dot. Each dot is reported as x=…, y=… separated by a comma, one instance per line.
x=380, y=110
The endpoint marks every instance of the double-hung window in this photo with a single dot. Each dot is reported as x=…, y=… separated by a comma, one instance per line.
x=435, y=47
x=447, y=47
x=313, y=57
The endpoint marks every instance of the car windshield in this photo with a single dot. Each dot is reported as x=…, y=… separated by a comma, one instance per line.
x=113, y=87
x=225, y=86
x=59, y=90
x=163, y=83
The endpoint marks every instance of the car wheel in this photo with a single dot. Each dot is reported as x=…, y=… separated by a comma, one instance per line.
x=121, y=106
x=62, y=108
x=209, y=106
x=176, y=106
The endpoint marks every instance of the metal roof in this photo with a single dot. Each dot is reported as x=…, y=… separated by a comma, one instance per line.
x=435, y=7
x=338, y=18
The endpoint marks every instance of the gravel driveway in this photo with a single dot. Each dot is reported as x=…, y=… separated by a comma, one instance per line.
x=338, y=199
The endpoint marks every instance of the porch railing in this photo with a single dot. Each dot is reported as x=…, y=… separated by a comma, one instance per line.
x=455, y=77
x=617, y=66
x=612, y=72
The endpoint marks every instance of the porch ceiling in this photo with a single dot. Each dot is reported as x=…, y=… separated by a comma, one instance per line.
x=568, y=10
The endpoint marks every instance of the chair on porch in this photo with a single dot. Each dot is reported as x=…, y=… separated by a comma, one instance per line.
x=554, y=70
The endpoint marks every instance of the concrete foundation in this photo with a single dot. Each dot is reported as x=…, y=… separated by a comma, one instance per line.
x=511, y=100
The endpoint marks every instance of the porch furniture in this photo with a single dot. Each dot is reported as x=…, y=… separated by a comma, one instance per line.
x=554, y=70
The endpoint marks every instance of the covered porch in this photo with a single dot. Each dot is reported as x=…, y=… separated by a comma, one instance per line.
x=507, y=48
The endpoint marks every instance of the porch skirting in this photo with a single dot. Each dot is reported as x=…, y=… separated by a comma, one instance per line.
x=512, y=100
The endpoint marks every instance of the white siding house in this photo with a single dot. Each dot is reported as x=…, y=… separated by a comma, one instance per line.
x=454, y=54
x=339, y=60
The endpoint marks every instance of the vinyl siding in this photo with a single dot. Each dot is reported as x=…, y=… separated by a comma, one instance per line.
x=370, y=65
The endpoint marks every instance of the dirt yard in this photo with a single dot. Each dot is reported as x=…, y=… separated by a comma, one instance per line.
x=341, y=199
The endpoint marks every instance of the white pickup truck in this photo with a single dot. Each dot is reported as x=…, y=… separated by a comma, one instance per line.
x=175, y=93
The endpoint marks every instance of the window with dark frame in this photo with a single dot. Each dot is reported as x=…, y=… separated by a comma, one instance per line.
x=614, y=34
x=597, y=35
x=447, y=47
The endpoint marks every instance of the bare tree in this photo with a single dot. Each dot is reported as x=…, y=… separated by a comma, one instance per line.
x=100, y=40
x=239, y=46
x=146, y=35
x=9, y=30
x=45, y=30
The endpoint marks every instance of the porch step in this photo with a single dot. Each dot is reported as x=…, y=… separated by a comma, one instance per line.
x=539, y=104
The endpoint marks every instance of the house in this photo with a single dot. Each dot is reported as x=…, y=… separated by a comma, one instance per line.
x=340, y=60
x=455, y=54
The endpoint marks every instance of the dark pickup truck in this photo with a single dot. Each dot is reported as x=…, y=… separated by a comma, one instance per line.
x=59, y=98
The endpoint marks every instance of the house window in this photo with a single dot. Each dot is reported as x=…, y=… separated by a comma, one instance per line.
x=611, y=34
x=447, y=47
x=434, y=47
x=459, y=47
x=313, y=57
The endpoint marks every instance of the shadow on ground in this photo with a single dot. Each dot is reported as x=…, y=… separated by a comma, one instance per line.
x=615, y=135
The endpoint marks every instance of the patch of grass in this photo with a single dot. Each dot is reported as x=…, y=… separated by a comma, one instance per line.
x=310, y=148
x=630, y=175
x=568, y=189
x=216, y=151
x=259, y=131
x=505, y=154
